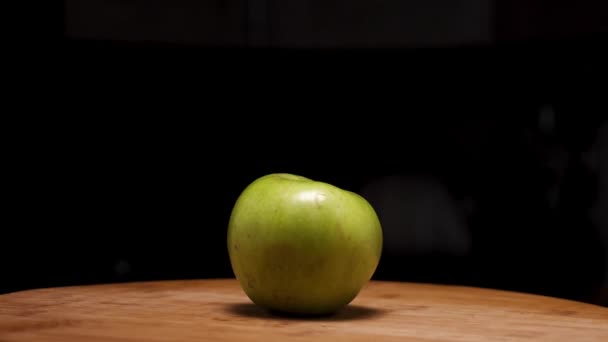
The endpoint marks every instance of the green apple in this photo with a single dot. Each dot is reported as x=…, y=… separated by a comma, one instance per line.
x=302, y=246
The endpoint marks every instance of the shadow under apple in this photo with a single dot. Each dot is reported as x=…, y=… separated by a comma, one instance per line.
x=349, y=312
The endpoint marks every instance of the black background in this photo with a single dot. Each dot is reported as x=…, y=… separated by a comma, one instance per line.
x=119, y=193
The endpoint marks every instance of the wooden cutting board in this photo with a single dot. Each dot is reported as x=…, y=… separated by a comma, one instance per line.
x=218, y=310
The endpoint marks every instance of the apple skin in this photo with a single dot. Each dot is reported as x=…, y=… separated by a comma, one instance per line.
x=301, y=246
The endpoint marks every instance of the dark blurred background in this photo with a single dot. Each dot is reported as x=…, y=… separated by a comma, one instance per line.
x=474, y=184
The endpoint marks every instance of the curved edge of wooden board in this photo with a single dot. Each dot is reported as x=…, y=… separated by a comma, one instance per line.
x=374, y=288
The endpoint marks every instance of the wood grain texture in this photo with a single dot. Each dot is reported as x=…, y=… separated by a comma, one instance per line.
x=218, y=310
